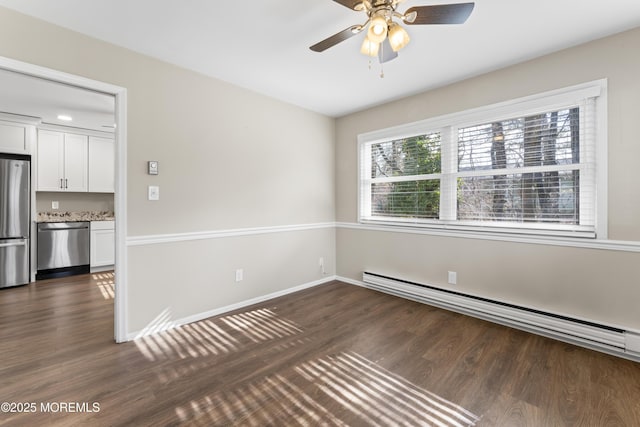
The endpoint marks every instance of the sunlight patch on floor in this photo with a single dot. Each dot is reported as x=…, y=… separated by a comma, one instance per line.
x=106, y=284
x=333, y=391
x=268, y=402
x=163, y=340
x=261, y=325
x=375, y=394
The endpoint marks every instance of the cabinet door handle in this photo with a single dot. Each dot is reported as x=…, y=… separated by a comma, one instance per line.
x=61, y=185
x=66, y=183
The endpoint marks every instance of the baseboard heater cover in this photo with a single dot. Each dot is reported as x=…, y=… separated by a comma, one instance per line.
x=595, y=336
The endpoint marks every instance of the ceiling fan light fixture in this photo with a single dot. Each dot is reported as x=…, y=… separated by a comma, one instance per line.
x=377, y=29
x=369, y=48
x=385, y=25
x=398, y=37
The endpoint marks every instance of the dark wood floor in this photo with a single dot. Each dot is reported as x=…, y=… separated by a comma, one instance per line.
x=335, y=354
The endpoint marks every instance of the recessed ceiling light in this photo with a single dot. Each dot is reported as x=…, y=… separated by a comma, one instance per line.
x=64, y=118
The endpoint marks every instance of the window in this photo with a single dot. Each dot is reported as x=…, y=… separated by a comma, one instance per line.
x=405, y=177
x=527, y=165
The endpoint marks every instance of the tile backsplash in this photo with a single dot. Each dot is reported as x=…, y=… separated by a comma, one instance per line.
x=74, y=202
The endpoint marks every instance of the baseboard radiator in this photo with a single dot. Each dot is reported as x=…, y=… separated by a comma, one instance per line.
x=595, y=336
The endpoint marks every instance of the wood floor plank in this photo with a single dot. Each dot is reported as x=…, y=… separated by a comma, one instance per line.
x=335, y=355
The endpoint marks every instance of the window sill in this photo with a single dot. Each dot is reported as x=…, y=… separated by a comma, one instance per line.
x=567, y=241
x=500, y=229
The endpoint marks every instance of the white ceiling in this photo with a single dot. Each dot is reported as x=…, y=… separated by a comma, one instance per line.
x=30, y=96
x=263, y=45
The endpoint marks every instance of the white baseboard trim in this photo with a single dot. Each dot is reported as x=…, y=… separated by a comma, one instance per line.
x=352, y=282
x=623, y=343
x=222, y=310
x=102, y=268
x=218, y=234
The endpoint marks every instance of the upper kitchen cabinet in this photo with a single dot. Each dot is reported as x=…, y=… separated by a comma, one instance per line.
x=62, y=161
x=13, y=138
x=101, y=165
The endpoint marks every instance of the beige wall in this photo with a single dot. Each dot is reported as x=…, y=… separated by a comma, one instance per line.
x=74, y=202
x=229, y=158
x=592, y=284
x=589, y=284
x=205, y=279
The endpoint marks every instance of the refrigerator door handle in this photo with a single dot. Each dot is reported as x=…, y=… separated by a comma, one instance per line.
x=12, y=244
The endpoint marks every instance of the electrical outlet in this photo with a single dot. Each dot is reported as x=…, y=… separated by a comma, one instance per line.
x=239, y=275
x=321, y=265
x=453, y=278
x=55, y=204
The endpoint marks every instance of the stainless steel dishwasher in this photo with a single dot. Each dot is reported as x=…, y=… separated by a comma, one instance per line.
x=63, y=249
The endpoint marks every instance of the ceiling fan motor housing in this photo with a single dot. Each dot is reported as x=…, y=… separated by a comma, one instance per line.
x=383, y=3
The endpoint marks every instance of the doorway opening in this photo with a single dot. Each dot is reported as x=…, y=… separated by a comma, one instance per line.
x=49, y=82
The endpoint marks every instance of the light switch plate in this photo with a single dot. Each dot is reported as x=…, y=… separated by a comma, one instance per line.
x=154, y=192
x=152, y=167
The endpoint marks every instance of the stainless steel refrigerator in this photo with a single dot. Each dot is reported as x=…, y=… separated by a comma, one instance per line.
x=15, y=188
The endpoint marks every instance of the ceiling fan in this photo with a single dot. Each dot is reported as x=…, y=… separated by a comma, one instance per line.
x=385, y=36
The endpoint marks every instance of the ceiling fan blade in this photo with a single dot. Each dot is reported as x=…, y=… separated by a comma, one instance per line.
x=386, y=54
x=351, y=4
x=440, y=14
x=336, y=38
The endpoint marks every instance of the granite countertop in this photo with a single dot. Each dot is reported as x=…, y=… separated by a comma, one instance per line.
x=75, y=216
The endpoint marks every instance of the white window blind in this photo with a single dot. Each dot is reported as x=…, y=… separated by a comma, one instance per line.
x=403, y=177
x=528, y=169
x=532, y=169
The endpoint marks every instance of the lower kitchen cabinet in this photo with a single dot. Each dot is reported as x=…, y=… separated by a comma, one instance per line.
x=103, y=234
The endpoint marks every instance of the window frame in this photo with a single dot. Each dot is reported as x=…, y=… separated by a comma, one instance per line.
x=366, y=171
x=592, y=99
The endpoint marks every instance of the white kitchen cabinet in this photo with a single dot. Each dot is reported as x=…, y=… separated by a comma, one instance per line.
x=50, y=152
x=103, y=243
x=13, y=138
x=75, y=162
x=62, y=161
x=101, y=165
